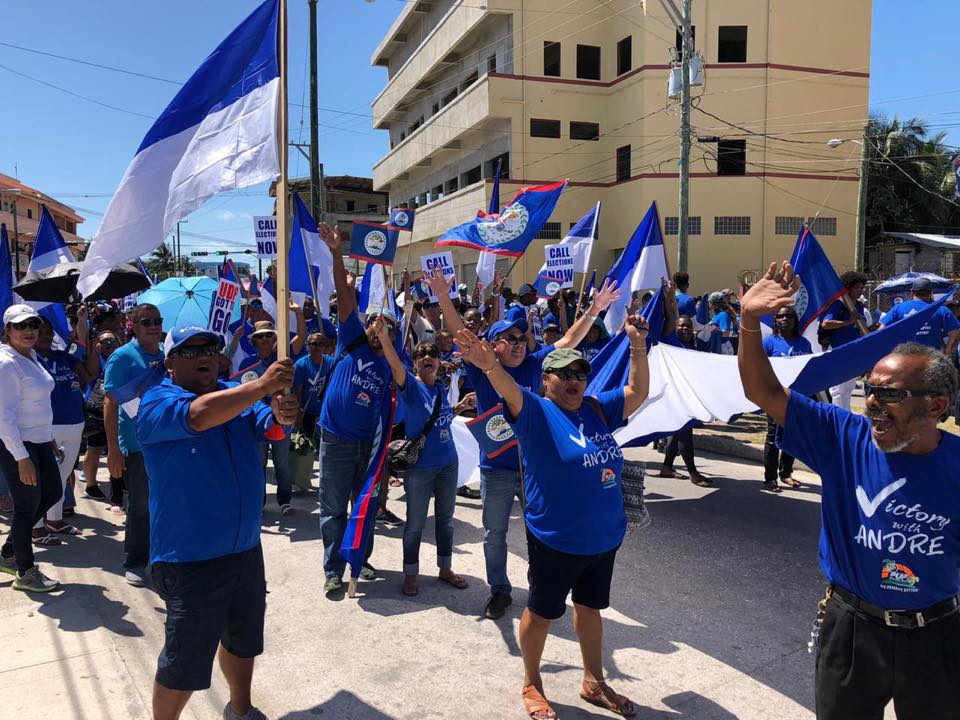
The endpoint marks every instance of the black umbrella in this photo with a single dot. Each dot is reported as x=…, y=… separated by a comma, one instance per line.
x=58, y=283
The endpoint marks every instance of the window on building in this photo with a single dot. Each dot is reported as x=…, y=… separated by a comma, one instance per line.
x=351, y=205
x=671, y=225
x=588, y=62
x=732, y=157
x=544, y=128
x=422, y=199
x=584, y=130
x=550, y=231
x=435, y=108
x=29, y=213
x=472, y=176
x=469, y=80
x=623, y=163
x=902, y=261
x=412, y=202
x=492, y=64
x=403, y=135
x=785, y=225
x=551, y=58
x=693, y=39
x=732, y=44
x=448, y=98
x=731, y=225
x=823, y=226
x=504, y=161
x=625, y=55
x=451, y=186
x=436, y=192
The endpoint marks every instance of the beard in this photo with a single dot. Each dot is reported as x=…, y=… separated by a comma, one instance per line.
x=902, y=438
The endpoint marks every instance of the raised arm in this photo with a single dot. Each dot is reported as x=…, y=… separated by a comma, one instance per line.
x=760, y=384
x=397, y=367
x=440, y=287
x=601, y=301
x=296, y=345
x=638, y=383
x=479, y=353
x=216, y=408
x=346, y=298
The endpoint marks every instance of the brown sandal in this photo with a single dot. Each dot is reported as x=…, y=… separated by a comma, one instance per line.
x=455, y=580
x=671, y=474
x=536, y=704
x=602, y=695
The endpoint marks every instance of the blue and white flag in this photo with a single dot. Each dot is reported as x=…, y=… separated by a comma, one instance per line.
x=219, y=133
x=582, y=236
x=309, y=255
x=510, y=231
x=373, y=290
x=547, y=285
x=641, y=266
x=221, y=306
x=591, y=286
x=493, y=207
x=49, y=249
x=402, y=219
x=373, y=243
x=6, y=271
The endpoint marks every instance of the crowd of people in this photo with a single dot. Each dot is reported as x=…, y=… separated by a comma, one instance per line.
x=171, y=410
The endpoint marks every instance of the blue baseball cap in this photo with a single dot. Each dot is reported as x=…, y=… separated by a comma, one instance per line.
x=502, y=326
x=181, y=334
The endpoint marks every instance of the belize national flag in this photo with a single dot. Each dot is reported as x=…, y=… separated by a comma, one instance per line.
x=218, y=133
x=492, y=432
x=547, y=285
x=402, y=219
x=373, y=243
x=511, y=230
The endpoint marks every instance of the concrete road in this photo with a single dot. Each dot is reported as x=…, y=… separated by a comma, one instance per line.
x=712, y=608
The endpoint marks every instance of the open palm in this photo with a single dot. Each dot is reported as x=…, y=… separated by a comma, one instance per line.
x=773, y=291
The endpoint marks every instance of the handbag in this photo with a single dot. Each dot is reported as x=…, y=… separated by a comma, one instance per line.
x=403, y=454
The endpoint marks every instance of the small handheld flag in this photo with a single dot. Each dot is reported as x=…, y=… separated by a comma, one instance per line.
x=373, y=243
x=402, y=219
x=492, y=431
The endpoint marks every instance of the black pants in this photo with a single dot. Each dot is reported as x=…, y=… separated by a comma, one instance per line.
x=682, y=442
x=136, y=539
x=862, y=665
x=30, y=502
x=776, y=462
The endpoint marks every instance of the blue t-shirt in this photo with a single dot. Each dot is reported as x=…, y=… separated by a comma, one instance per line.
x=206, y=488
x=351, y=408
x=417, y=401
x=129, y=372
x=686, y=305
x=67, y=397
x=591, y=350
x=528, y=375
x=779, y=346
x=310, y=378
x=723, y=321
x=517, y=312
x=838, y=311
x=890, y=521
x=571, y=471
x=934, y=332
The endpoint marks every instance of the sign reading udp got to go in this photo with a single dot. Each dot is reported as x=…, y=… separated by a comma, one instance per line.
x=221, y=310
x=440, y=261
x=559, y=259
x=265, y=231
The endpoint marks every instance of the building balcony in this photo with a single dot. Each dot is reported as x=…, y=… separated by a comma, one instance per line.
x=27, y=233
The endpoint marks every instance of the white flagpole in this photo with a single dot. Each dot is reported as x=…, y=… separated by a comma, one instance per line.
x=583, y=277
x=282, y=279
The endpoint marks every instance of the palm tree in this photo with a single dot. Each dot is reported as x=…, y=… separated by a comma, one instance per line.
x=164, y=263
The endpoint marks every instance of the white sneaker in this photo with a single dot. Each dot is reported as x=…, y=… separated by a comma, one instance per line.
x=137, y=578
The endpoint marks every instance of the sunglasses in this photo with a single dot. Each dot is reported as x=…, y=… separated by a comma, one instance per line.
x=32, y=324
x=891, y=395
x=319, y=344
x=256, y=304
x=195, y=351
x=430, y=352
x=107, y=341
x=512, y=339
x=151, y=322
x=568, y=375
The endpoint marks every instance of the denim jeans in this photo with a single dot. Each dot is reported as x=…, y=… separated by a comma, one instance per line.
x=136, y=540
x=420, y=484
x=282, y=472
x=343, y=468
x=497, y=490
x=776, y=462
x=30, y=502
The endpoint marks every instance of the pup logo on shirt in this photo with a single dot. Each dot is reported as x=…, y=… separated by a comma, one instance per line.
x=444, y=435
x=608, y=478
x=897, y=576
x=498, y=429
x=363, y=399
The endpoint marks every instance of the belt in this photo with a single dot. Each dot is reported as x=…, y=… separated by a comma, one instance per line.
x=901, y=619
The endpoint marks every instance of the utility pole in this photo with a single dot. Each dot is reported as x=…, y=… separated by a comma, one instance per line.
x=862, y=202
x=316, y=182
x=686, y=53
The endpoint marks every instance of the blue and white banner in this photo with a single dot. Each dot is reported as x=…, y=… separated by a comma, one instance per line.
x=440, y=261
x=218, y=133
x=221, y=308
x=373, y=243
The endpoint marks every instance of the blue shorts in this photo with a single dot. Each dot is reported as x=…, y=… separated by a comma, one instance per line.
x=552, y=575
x=209, y=603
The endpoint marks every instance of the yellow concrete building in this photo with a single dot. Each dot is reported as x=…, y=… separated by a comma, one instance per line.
x=579, y=89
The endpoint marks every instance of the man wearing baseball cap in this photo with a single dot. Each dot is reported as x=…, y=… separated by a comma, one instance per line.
x=527, y=295
x=941, y=333
x=199, y=437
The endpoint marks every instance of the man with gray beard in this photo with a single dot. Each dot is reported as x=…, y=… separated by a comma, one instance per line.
x=889, y=626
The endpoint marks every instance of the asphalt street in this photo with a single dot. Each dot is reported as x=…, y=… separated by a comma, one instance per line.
x=711, y=613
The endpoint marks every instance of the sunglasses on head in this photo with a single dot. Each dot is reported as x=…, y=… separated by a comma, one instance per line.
x=892, y=395
x=194, y=351
x=151, y=322
x=512, y=339
x=429, y=352
x=31, y=324
x=567, y=374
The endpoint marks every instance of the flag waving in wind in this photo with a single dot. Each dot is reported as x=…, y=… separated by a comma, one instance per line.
x=218, y=133
x=580, y=240
x=510, y=231
x=49, y=249
x=309, y=255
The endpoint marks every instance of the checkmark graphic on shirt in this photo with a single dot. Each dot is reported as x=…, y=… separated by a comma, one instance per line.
x=869, y=506
x=582, y=440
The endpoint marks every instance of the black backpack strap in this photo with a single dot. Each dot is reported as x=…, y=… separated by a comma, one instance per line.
x=432, y=420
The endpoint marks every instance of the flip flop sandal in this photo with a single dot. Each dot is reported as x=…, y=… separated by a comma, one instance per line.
x=536, y=704
x=408, y=592
x=791, y=482
x=702, y=482
x=117, y=510
x=455, y=580
x=64, y=530
x=672, y=474
x=47, y=541
x=604, y=697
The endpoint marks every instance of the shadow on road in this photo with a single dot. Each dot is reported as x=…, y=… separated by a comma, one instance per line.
x=342, y=706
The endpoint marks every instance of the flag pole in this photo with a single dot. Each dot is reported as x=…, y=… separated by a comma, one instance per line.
x=583, y=278
x=283, y=240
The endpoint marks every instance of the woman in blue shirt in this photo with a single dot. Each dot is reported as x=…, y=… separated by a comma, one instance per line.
x=786, y=341
x=435, y=472
x=574, y=501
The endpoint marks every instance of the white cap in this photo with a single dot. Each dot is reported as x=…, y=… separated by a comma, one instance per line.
x=462, y=286
x=18, y=313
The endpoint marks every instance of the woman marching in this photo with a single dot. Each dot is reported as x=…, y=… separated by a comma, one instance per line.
x=574, y=503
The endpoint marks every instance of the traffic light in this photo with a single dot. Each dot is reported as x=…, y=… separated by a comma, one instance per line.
x=198, y=253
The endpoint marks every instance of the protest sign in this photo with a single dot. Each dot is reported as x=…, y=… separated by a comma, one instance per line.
x=559, y=263
x=265, y=231
x=221, y=306
x=443, y=261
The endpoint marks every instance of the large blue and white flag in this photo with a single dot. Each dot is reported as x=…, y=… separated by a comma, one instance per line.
x=641, y=266
x=510, y=231
x=49, y=249
x=309, y=255
x=219, y=133
x=373, y=291
x=580, y=240
x=6, y=271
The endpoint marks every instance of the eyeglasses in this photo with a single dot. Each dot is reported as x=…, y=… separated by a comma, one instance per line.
x=31, y=324
x=512, y=339
x=891, y=395
x=568, y=375
x=194, y=351
x=256, y=304
x=151, y=322
x=107, y=341
x=318, y=344
x=430, y=352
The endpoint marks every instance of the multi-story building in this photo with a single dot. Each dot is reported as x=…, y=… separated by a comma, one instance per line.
x=22, y=230
x=556, y=89
x=210, y=269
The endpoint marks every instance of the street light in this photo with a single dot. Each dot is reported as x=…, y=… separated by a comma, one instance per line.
x=861, y=197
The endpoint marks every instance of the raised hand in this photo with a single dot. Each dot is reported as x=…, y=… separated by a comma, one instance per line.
x=330, y=236
x=439, y=285
x=497, y=285
x=607, y=295
x=773, y=291
x=637, y=329
x=278, y=377
x=382, y=331
x=475, y=351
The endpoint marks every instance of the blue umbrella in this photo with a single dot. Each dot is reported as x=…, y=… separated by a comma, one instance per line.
x=904, y=283
x=183, y=301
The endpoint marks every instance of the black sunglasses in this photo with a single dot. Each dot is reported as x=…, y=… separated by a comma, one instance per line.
x=567, y=375
x=151, y=322
x=314, y=343
x=194, y=351
x=32, y=324
x=512, y=339
x=430, y=352
x=107, y=341
x=892, y=395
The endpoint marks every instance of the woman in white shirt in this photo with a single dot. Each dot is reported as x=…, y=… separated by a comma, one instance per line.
x=28, y=454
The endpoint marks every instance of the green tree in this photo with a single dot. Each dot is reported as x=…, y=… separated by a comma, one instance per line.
x=163, y=263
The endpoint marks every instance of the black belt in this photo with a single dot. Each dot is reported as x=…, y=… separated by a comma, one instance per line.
x=902, y=619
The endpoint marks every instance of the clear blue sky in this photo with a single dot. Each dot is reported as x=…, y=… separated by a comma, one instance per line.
x=77, y=150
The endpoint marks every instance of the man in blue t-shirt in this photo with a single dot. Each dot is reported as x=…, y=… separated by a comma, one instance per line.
x=942, y=332
x=130, y=370
x=199, y=439
x=500, y=475
x=526, y=297
x=838, y=326
x=310, y=375
x=890, y=511
x=686, y=304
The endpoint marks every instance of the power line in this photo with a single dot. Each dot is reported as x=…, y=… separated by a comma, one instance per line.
x=91, y=64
